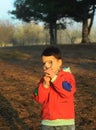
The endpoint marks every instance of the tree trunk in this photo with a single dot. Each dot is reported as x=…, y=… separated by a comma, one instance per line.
x=53, y=33
x=55, y=29
x=92, y=18
x=85, y=36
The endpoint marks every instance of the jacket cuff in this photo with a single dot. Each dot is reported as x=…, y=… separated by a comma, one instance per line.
x=54, y=78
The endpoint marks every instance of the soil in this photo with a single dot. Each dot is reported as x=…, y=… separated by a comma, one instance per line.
x=20, y=71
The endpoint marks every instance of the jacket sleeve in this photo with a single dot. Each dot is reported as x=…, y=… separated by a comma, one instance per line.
x=65, y=84
x=40, y=94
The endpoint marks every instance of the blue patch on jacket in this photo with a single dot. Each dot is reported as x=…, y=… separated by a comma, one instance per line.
x=66, y=86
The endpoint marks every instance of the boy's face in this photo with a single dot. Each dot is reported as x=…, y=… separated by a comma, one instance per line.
x=50, y=62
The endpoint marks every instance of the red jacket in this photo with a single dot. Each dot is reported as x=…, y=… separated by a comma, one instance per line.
x=57, y=100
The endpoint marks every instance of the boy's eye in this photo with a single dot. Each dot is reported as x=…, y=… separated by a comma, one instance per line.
x=47, y=64
x=43, y=64
x=50, y=62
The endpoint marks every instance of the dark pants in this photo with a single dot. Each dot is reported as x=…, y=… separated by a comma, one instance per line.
x=70, y=127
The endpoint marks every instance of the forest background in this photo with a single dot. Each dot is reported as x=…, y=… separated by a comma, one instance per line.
x=36, y=32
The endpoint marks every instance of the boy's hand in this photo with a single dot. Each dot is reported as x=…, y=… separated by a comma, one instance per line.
x=46, y=81
x=49, y=73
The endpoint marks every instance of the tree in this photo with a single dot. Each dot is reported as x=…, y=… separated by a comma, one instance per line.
x=6, y=32
x=84, y=12
x=29, y=34
x=48, y=11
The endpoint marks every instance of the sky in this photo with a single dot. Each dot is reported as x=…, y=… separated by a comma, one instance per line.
x=6, y=5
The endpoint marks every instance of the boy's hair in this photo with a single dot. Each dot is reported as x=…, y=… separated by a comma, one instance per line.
x=52, y=51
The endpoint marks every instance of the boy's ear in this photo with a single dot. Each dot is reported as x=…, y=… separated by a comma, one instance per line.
x=60, y=62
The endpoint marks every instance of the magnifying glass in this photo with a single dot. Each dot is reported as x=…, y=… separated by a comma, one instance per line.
x=47, y=65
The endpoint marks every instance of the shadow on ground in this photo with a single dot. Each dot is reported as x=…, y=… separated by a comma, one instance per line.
x=11, y=116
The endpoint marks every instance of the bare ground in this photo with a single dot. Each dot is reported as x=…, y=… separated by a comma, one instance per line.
x=20, y=71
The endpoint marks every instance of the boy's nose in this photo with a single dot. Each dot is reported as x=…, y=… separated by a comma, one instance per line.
x=46, y=67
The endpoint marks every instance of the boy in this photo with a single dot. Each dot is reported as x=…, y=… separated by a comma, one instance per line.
x=55, y=93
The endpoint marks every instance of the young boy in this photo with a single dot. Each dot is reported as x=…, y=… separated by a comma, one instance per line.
x=55, y=92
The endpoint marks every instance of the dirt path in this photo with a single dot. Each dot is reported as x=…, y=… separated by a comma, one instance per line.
x=18, y=77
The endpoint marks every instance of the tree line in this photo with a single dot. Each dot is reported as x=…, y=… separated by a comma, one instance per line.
x=34, y=34
x=54, y=13
x=21, y=34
